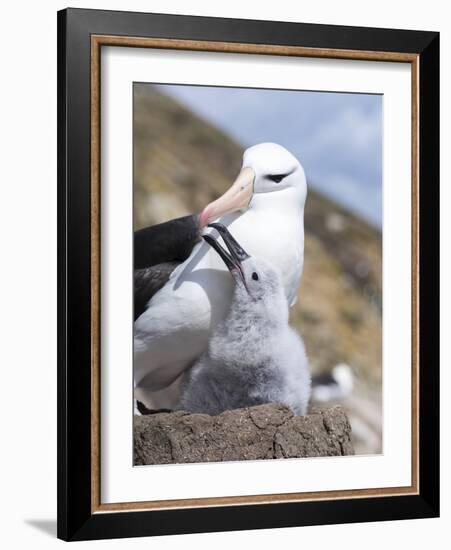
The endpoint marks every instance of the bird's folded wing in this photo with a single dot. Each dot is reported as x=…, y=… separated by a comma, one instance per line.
x=148, y=282
x=170, y=241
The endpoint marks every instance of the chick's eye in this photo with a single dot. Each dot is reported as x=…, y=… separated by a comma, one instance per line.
x=255, y=276
x=277, y=178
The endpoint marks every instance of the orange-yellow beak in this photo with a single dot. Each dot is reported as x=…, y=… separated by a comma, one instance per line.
x=238, y=196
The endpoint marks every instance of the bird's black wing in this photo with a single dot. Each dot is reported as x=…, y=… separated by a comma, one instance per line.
x=170, y=241
x=148, y=281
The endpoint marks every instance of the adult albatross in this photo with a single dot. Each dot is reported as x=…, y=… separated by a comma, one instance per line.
x=264, y=209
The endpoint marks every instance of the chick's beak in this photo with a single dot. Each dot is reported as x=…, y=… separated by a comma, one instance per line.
x=235, y=249
x=231, y=257
x=238, y=196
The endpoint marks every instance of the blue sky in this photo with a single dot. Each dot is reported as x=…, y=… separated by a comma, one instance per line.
x=337, y=137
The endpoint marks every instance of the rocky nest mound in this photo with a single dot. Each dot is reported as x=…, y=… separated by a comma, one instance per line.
x=262, y=432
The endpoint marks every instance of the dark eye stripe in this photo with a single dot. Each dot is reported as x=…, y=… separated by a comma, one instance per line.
x=277, y=178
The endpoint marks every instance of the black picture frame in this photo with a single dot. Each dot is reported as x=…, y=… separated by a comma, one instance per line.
x=76, y=519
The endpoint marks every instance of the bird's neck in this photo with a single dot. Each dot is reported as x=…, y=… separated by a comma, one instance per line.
x=269, y=315
x=284, y=202
x=248, y=331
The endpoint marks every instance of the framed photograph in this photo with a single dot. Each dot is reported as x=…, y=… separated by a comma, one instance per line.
x=248, y=274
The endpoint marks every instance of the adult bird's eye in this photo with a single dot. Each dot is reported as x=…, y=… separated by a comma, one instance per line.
x=277, y=178
x=255, y=276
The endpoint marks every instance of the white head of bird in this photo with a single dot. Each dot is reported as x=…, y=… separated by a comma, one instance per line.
x=267, y=168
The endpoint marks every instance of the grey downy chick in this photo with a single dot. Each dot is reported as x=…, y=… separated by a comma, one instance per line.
x=253, y=356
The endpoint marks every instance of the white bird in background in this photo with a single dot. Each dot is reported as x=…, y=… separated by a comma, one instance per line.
x=264, y=208
x=336, y=385
x=253, y=356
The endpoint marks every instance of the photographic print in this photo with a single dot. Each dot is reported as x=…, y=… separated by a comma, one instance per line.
x=257, y=273
x=248, y=273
